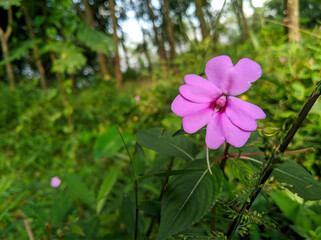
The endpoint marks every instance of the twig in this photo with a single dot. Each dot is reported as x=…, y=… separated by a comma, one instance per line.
x=304, y=150
x=267, y=171
x=288, y=26
x=28, y=229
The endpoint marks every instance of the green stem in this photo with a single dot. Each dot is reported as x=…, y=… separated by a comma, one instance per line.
x=267, y=171
x=150, y=228
x=135, y=184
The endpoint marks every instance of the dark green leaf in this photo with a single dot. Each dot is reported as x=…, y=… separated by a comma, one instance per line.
x=76, y=229
x=79, y=190
x=139, y=161
x=107, y=185
x=128, y=216
x=240, y=169
x=303, y=183
x=108, y=143
x=188, y=198
x=11, y=226
x=150, y=208
x=163, y=141
x=59, y=208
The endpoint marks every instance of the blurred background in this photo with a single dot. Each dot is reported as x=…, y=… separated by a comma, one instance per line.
x=73, y=70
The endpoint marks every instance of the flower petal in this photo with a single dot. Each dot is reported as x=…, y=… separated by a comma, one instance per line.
x=214, y=134
x=233, y=135
x=198, y=89
x=182, y=107
x=195, y=121
x=240, y=118
x=218, y=71
x=232, y=80
x=250, y=109
x=246, y=72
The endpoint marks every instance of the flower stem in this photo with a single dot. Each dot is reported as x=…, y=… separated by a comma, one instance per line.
x=208, y=161
x=268, y=169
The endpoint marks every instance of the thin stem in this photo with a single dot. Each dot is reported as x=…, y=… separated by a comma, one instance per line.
x=304, y=150
x=267, y=171
x=217, y=160
x=222, y=163
x=208, y=161
x=135, y=184
x=288, y=26
x=150, y=228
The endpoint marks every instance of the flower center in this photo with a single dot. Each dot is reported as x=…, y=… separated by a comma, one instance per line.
x=219, y=104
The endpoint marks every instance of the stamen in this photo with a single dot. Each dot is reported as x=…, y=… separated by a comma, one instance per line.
x=217, y=108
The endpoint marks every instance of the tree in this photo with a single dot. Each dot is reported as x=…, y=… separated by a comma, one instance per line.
x=4, y=37
x=89, y=19
x=36, y=55
x=169, y=29
x=143, y=46
x=291, y=20
x=241, y=19
x=200, y=15
x=158, y=39
x=116, y=40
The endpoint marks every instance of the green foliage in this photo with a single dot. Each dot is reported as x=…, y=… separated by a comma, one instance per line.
x=108, y=143
x=70, y=58
x=106, y=187
x=21, y=50
x=95, y=40
x=79, y=190
x=6, y=4
x=187, y=198
x=163, y=141
x=299, y=180
x=103, y=195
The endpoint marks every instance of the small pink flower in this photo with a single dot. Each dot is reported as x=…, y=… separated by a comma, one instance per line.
x=55, y=182
x=283, y=60
x=211, y=102
x=137, y=98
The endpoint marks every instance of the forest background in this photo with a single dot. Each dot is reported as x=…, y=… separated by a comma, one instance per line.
x=72, y=80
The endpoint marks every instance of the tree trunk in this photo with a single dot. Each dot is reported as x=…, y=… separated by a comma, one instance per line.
x=36, y=55
x=150, y=69
x=291, y=20
x=200, y=15
x=89, y=19
x=4, y=37
x=169, y=29
x=122, y=41
x=145, y=45
x=242, y=21
x=192, y=27
x=116, y=40
x=159, y=42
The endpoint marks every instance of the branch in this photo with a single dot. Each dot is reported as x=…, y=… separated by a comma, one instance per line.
x=28, y=229
x=267, y=171
x=304, y=150
x=9, y=27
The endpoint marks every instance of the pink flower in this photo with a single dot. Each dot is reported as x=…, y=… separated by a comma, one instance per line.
x=55, y=182
x=137, y=98
x=211, y=102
